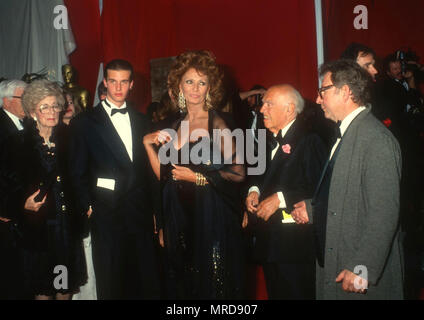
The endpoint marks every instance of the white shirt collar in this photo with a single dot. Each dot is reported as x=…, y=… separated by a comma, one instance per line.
x=285, y=129
x=15, y=119
x=349, y=118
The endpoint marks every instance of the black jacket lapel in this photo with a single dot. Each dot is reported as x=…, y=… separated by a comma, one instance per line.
x=103, y=125
x=8, y=127
x=276, y=165
x=137, y=135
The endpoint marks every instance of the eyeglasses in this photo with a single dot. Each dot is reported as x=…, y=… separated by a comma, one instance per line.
x=17, y=97
x=45, y=108
x=322, y=89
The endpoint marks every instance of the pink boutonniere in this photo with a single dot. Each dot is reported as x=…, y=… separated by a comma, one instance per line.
x=286, y=148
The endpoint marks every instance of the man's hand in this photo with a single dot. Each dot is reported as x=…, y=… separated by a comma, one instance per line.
x=349, y=284
x=268, y=206
x=252, y=201
x=161, y=242
x=300, y=214
x=89, y=212
x=4, y=219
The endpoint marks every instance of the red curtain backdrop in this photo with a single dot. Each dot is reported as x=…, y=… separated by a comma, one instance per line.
x=84, y=18
x=392, y=24
x=262, y=42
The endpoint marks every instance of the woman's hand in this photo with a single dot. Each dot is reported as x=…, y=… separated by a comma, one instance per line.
x=183, y=174
x=158, y=137
x=245, y=221
x=161, y=243
x=32, y=205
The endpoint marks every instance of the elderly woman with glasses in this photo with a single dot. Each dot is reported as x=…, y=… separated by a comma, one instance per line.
x=34, y=183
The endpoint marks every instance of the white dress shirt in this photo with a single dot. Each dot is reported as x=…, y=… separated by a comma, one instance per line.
x=345, y=124
x=15, y=120
x=274, y=151
x=122, y=124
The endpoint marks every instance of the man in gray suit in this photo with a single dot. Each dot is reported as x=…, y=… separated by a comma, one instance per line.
x=355, y=209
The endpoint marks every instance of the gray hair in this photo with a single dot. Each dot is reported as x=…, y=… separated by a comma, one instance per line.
x=39, y=90
x=348, y=72
x=8, y=88
x=298, y=101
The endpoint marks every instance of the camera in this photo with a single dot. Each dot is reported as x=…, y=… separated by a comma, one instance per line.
x=258, y=100
x=404, y=57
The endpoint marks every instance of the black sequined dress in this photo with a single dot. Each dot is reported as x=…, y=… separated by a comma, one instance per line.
x=202, y=224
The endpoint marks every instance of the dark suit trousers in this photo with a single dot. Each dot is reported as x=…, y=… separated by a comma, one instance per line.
x=124, y=263
x=290, y=281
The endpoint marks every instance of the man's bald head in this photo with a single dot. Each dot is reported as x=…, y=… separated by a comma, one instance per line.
x=281, y=105
x=289, y=93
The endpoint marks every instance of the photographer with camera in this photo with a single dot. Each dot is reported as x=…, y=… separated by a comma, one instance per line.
x=400, y=95
x=401, y=82
x=252, y=100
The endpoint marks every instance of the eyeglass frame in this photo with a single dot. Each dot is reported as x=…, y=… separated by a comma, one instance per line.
x=17, y=97
x=322, y=89
x=48, y=108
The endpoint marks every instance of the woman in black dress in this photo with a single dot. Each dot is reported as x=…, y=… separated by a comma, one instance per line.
x=200, y=199
x=34, y=174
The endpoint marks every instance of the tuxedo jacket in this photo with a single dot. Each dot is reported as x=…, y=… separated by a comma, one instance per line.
x=7, y=129
x=296, y=175
x=97, y=152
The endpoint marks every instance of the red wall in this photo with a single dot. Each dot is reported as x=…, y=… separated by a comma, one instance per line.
x=265, y=42
x=84, y=19
x=392, y=24
x=262, y=41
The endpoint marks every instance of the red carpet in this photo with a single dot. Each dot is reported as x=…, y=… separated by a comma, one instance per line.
x=261, y=293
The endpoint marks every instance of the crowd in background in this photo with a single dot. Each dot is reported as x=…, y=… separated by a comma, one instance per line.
x=186, y=230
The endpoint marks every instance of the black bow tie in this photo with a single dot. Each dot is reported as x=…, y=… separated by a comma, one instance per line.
x=116, y=110
x=337, y=132
x=277, y=140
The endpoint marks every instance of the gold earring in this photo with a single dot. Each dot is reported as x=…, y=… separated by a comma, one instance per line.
x=181, y=101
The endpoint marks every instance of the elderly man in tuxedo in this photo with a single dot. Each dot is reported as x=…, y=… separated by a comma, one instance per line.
x=11, y=115
x=294, y=163
x=112, y=180
x=355, y=209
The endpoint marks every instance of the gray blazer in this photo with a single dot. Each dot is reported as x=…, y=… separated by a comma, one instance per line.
x=363, y=213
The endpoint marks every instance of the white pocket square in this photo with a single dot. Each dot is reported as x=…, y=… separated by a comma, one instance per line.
x=106, y=183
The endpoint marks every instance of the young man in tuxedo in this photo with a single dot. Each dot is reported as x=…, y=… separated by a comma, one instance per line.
x=355, y=209
x=364, y=56
x=294, y=164
x=11, y=115
x=112, y=183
